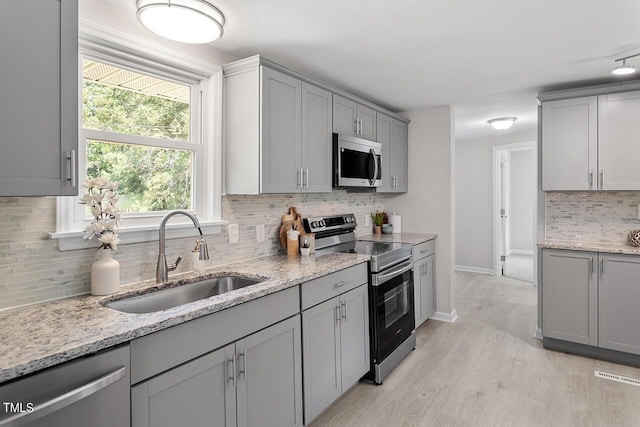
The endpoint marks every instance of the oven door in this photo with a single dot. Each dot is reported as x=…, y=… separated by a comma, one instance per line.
x=357, y=162
x=393, y=310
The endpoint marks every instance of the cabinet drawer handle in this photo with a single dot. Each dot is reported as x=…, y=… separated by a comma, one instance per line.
x=242, y=370
x=337, y=313
x=356, y=124
x=602, y=179
x=591, y=179
x=601, y=267
x=62, y=401
x=340, y=284
x=343, y=309
x=73, y=172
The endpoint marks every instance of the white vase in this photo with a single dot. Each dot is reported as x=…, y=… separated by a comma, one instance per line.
x=105, y=274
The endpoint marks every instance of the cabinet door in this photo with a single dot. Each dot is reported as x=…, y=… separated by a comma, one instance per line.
x=344, y=115
x=321, y=355
x=619, y=294
x=618, y=136
x=317, y=139
x=384, y=126
x=354, y=335
x=424, y=289
x=39, y=102
x=269, y=390
x=569, y=296
x=280, y=157
x=569, y=144
x=198, y=393
x=399, y=159
x=367, y=117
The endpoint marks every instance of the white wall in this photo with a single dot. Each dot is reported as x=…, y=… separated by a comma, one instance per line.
x=429, y=204
x=521, y=198
x=474, y=199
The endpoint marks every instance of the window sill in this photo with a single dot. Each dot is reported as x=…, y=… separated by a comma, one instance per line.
x=73, y=240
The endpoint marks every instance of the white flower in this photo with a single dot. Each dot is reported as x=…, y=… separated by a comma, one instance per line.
x=88, y=183
x=112, y=186
x=109, y=239
x=101, y=183
x=96, y=211
x=97, y=197
x=86, y=198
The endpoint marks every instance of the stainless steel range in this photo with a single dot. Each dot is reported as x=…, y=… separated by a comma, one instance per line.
x=391, y=302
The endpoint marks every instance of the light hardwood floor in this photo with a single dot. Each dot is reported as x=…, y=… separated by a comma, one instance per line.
x=488, y=370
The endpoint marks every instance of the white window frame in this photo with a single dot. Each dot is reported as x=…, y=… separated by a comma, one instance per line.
x=205, y=81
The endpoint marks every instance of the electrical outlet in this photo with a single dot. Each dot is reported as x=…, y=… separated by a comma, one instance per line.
x=367, y=220
x=233, y=234
x=260, y=235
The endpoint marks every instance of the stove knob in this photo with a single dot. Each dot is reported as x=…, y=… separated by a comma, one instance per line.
x=314, y=224
x=321, y=223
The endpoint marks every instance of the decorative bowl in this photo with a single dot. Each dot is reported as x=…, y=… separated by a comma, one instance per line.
x=634, y=237
x=387, y=228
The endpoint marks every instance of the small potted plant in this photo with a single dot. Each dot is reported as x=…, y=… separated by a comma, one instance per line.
x=378, y=219
x=305, y=249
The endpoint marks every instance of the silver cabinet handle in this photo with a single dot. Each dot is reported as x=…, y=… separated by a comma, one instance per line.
x=356, y=123
x=306, y=173
x=232, y=364
x=602, y=179
x=340, y=284
x=59, y=402
x=601, y=267
x=73, y=171
x=242, y=370
x=591, y=179
x=338, y=313
x=343, y=310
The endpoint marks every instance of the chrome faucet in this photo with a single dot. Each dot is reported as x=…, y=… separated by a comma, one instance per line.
x=162, y=270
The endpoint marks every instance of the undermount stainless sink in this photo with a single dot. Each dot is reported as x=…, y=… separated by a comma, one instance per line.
x=167, y=298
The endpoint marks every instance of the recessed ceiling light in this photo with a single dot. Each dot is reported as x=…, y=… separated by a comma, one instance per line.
x=186, y=21
x=502, y=123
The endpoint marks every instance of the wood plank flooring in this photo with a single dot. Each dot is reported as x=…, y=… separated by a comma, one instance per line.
x=488, y=370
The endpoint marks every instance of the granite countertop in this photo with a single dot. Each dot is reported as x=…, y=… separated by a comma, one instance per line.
x=413, y=238
x=39, y=336
x=612, y=248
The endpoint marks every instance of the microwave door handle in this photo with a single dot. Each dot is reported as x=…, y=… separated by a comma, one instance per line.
x=372, y=179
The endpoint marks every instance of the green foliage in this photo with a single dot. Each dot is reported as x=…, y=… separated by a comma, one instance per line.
x=378, y=217
x=150, y=178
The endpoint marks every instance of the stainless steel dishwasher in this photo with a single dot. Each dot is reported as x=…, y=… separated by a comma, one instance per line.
x=92, y=391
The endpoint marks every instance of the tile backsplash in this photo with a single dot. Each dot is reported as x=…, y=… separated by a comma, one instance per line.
x=32, y=269
x=591, y=216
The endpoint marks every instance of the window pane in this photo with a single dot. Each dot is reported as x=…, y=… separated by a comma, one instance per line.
x=150, y=178
x=124, y=101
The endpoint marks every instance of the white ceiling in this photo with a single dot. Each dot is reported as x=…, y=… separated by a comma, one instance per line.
x=488, y=58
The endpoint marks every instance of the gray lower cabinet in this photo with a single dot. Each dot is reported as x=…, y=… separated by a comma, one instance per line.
x=424, y=281
x=570, y=296
x=39, y=102
x=592, y=299
x=255, y=381
x=619, y=296
x=91, y=391
x=335, y=335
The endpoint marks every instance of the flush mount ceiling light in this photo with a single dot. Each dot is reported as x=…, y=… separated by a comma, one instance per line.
x=624, y=69
x=502, y=123
x=186, y=21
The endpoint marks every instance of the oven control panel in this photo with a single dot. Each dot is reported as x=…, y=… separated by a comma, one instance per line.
x=330, y=223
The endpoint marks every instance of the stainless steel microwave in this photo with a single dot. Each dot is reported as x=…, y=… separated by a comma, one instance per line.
x=357, y=162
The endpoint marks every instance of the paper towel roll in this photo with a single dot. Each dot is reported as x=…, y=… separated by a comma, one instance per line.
x=396, y=221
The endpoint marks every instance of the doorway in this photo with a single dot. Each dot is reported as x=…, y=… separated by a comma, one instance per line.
x=515, y=177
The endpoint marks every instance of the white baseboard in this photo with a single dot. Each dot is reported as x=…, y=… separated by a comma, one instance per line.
x=520, y=252
x=538, y=333
x=468, y=269
x=445, y=317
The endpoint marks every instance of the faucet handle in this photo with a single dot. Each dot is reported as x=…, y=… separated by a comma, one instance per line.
x=172, y=267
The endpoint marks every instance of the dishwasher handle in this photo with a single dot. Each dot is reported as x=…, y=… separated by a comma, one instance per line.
x=66, y=399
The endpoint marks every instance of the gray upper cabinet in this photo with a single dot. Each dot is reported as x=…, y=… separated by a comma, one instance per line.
x=570, y=296
x=352, y=118
x=569, y=144
x=277, y=132
x=618, y=136
x=619, y=294
x=392, y=134
x=590, y=143
x=317, y=107
x=39, y=102
x=281, y=152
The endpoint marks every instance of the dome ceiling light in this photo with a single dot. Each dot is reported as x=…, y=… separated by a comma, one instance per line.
x=502, y=123
x=186, y=21
x=624, y=69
